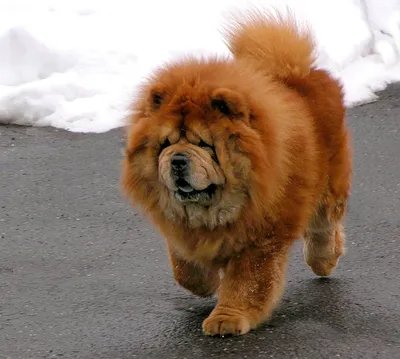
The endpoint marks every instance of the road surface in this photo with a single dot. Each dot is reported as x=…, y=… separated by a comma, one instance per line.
x=83, y=275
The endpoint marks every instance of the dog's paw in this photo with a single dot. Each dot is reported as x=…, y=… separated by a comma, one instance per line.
x=323, y=267
x=222, y=324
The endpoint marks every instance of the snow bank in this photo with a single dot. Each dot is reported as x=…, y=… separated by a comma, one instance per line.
x=76, y=64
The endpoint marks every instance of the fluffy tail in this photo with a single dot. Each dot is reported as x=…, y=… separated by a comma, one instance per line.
x=274, y=43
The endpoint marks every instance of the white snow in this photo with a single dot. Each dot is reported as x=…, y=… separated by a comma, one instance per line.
x=76, y=64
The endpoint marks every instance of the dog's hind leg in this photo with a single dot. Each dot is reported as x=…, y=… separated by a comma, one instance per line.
x=323, y=243
x=324, y=238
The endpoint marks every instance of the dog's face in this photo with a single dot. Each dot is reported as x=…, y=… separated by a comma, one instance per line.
x=188, y=166
x=191, y=149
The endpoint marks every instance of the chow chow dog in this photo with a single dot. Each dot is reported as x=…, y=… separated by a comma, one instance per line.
x=233, y=159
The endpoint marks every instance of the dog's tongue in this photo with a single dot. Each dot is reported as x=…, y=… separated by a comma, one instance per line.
x=185, y=188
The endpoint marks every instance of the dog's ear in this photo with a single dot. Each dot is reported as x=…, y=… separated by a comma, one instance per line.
x=229, y=103
x=156, y=97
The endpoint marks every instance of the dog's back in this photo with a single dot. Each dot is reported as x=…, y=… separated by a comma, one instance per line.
x=276, y=46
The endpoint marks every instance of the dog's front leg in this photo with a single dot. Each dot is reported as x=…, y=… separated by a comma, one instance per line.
x=251, y=287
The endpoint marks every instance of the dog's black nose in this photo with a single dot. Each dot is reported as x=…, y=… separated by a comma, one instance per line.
x=179, y=162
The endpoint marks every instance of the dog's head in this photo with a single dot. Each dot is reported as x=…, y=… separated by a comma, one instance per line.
x=195, y=153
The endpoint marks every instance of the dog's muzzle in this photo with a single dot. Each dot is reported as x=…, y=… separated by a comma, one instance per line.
x=180, y=172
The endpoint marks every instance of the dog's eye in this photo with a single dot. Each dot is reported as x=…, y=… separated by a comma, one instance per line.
x=210, y=149
x=165, y=144
x=202, y=144
x=221, y=106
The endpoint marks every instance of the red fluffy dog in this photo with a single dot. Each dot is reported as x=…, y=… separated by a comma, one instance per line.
x=235, y=159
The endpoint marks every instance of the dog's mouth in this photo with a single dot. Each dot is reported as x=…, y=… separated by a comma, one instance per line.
x=186, y=193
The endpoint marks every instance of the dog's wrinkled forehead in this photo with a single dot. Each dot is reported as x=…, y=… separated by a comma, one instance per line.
x=186, y=115
x=193, y=101
x=186, y=100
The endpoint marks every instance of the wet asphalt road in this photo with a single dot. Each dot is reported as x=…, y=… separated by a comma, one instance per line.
x=83, y=275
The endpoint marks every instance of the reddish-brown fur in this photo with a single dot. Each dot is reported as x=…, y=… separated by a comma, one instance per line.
x=283, y=168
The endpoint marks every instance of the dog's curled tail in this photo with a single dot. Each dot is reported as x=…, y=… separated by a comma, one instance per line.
x=274, y=43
